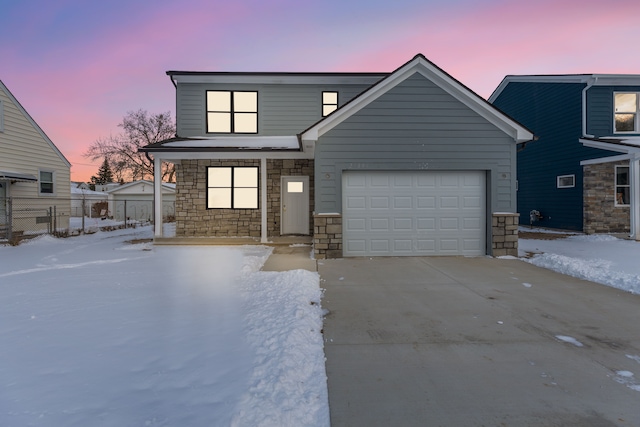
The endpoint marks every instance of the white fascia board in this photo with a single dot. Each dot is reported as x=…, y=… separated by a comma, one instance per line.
x=479, y=105
x=608, y=146
x=606, y=160
x=173, y=156
x=570, y=78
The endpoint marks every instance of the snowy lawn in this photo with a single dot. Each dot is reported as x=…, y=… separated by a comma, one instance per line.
x=98, y=331
x=599, y=258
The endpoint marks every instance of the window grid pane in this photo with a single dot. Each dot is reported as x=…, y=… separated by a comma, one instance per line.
x=626, y=110
x=221, y=194
x=622, y=186
x=232, y=112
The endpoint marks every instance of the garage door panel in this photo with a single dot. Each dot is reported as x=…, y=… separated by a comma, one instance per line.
x=356, y=202
x=425, y=202
x=402, y=224
x=379, y=202
x=405, y=245
x=356, y=224
x=449, y=202
x=402, y=202
x=426, y=224
x=380, y=181
x=449, y=224
x=380, y=224
x=414, y=213
x=380, y=246
x=471, y=202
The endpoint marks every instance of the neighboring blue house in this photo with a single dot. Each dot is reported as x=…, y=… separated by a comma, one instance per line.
x=370, y=164
x=579, y=174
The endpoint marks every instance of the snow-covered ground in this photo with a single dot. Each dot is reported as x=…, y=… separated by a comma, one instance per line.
x=98, y=331
x=599, y=258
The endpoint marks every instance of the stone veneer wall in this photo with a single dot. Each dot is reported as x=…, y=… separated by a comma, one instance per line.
x=327, y=236
x=600, y=214
x=193, y=219
x=504, y=231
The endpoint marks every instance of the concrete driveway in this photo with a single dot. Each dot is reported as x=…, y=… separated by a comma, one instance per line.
x=449, y=341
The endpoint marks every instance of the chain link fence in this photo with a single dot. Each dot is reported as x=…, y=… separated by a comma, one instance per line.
x=22, y=218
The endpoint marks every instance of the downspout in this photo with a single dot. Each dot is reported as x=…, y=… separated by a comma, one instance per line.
x=590, y=83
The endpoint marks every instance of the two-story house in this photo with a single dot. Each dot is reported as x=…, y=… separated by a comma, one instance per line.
x=582, y=171
x=34, y=174
x=404, y=163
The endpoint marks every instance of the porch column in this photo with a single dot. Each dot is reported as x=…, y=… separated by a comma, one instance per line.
x=157, y=197
x=263, y=204
x=634, y=177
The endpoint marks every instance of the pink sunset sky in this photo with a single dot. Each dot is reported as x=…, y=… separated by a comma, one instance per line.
x=78, y=66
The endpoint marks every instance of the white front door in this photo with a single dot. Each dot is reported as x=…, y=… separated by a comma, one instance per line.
x=294, y=205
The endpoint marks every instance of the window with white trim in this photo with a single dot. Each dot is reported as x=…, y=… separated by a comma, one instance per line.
x=623, y=188
x=232, y=111
x=46, y=182
x=329, y=103
x=566, y=181
x=626, y=109
x=232, y=187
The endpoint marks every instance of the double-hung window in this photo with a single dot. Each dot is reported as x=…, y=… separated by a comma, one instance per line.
x=329, y=103
x=232, y=187
x=46, y=182
x=622, y=186
x=232, y=111
x=627, y=107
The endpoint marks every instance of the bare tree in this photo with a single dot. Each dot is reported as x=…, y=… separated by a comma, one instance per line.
x=139, y=128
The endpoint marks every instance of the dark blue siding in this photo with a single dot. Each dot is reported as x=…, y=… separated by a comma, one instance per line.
x=600, y=109
x=553, y=111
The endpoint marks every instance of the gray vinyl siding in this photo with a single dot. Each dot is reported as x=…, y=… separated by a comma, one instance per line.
x=600, y=109
x=282, y=109
x=416, y=126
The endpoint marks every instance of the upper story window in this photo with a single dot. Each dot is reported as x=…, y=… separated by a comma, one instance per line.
x=626, y=112
x=232, y=111
x=622, y=186
x=329, y=103
x=46, y=182
x=232, y=187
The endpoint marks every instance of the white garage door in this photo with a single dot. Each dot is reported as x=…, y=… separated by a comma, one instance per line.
x=396, y=213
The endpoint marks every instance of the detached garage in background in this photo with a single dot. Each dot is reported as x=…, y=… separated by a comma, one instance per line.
x=134, y=201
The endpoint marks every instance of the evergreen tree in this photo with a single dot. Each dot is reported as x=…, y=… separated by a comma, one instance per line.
x=105, y=175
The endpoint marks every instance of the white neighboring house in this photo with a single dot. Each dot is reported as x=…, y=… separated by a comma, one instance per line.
x=81, y=196
x=134, y=201
x=34, y=174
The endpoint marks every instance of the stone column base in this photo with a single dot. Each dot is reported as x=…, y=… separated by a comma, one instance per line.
x=504, y=233
x=327, y=236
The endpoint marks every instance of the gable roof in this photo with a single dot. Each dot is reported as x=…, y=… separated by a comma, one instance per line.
x=33, y=123
x=588, y=79
x=420, y=64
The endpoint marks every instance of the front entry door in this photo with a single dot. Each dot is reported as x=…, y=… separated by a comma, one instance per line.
x=294, y=205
